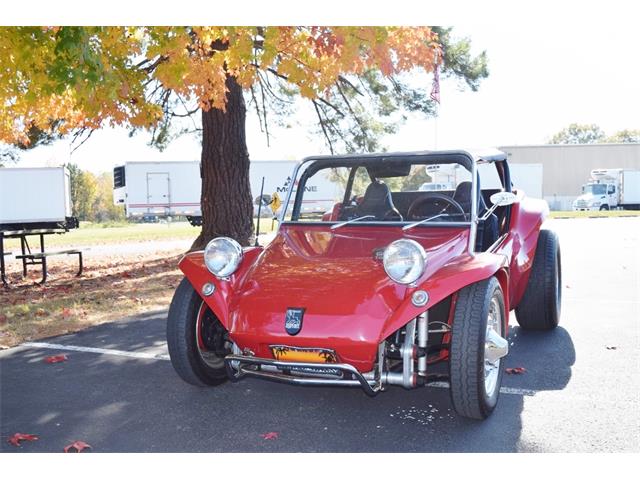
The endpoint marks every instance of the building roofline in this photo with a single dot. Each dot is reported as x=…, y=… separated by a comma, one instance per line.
x=548, y=145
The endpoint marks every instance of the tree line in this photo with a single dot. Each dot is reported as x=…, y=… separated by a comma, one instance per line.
x=92, y=196
x=576, y=134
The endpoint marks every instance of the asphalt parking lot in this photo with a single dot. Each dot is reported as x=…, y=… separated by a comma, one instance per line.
x=580, y=391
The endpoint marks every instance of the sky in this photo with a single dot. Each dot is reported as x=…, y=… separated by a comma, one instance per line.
x=542, y=78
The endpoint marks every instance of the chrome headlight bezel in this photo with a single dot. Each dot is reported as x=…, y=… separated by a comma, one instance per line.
x=222, y=256
x=406, y=251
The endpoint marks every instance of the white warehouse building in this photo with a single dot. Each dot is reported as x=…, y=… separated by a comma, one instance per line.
x=565, y=168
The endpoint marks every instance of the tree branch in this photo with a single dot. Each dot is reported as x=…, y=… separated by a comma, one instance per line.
x=337, y=110
x=347, y=82
x=324, y=130
x=78, y=134
x=264, y=110
x=357, y=119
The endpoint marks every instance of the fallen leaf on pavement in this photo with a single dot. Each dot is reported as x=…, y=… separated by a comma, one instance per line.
x=611, y=347
x=515, y=370
x=76, y=447
x=270, y=435
x=19, y=437
x=56, y=359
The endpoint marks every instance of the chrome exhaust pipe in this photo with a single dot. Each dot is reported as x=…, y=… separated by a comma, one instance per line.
x=423, y=337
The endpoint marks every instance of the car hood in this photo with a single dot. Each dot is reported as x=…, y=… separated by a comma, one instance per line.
x=336, y=276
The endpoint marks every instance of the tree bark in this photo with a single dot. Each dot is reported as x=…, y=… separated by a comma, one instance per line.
x=227, y=206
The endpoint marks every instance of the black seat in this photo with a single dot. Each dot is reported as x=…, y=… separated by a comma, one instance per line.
x=488, y=230
x=377, y=201
x=462, y=195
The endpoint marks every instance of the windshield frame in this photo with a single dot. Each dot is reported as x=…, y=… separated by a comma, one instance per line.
x=449, y=156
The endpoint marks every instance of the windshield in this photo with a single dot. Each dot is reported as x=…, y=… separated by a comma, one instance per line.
x=595, y=189
x=355, y=191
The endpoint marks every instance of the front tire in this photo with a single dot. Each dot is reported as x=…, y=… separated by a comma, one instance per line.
x=477, y=338
x=604, y=207
x=539, y=308
x=196, y=339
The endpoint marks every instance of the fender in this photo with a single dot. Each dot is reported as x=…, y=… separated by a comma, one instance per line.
x=454, y=276
x=195, y=270
x=527, y=217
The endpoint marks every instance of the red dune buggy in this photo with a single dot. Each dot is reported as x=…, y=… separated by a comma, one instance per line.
x=416, y=263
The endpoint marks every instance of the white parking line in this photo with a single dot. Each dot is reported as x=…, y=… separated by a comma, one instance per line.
x=104, y=351
x=150, y=356
x=508, y=390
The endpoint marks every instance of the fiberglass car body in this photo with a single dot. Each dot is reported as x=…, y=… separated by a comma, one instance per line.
x=416, y=264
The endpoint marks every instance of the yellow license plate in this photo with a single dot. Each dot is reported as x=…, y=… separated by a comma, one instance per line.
x=284, y=353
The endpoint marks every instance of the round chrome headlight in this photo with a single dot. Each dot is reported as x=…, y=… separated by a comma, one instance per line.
x=222, y=256
x=404, y=261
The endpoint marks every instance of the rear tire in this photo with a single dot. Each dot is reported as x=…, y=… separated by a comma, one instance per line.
x=194, y=363
x=539, y=308
x=472, y=394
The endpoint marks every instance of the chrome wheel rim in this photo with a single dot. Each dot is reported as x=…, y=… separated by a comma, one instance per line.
x=495, y=347
x=210, y=358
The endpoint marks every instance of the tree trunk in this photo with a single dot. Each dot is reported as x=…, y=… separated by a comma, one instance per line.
x=227, y=206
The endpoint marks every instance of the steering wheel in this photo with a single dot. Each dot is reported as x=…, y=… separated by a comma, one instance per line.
x=434, y=197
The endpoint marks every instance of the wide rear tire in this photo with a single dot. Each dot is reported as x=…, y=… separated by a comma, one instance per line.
x=539, y=308
x=192, y=360
x=475, y=384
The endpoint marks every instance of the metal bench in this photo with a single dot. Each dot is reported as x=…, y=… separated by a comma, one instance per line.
x=40, y=258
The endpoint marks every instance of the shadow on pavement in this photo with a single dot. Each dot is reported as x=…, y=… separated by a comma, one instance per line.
x=121, y=404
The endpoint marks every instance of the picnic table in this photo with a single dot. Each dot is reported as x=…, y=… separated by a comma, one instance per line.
x=29, y=257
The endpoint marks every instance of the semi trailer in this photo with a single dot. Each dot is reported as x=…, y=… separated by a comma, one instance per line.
x=35, y=198
x=151, y=190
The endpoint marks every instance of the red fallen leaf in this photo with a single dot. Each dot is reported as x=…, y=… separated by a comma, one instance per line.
x=270, y=435
x=19, y=437
x=76, y=447
x=3, y=319
x=66, y=312
x=56, y=359
x=125, y=275
x=515, y=370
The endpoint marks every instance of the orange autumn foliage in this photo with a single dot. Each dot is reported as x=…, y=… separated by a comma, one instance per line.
x=68, y=78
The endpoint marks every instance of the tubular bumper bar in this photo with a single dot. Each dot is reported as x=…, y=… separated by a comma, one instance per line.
x=299, y=373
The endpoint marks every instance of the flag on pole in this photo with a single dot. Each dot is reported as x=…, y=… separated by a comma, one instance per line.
x=435, y=89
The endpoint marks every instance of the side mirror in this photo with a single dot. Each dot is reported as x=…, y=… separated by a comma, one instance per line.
x=263, y=200
x=499, y=199
x=502, y=199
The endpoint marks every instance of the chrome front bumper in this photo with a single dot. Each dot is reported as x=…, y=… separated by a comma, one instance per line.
x=299, y=373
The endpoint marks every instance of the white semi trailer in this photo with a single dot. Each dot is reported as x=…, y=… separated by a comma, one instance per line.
x=610, y=188
x=158, y=189
x=163, y=189
x=35, y=198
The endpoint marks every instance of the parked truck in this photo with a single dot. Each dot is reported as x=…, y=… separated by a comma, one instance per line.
x=610, y=188
x=151, y=190
x=35, y=198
